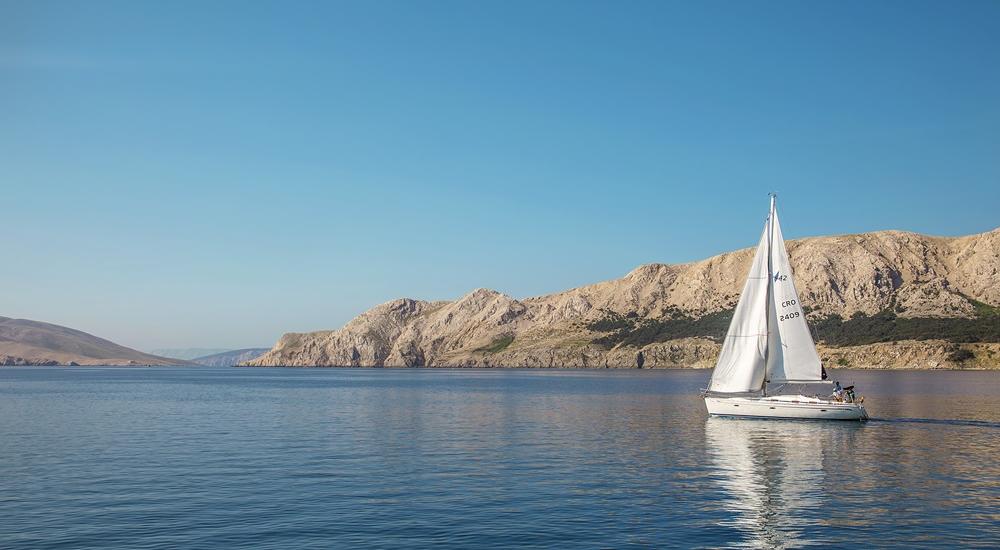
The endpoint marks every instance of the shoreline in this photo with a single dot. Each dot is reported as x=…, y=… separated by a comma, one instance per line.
x=687, y=353
x=579, y=368
x=478, y=368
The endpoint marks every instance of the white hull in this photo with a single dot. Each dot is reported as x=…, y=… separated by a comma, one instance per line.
x=785, y=406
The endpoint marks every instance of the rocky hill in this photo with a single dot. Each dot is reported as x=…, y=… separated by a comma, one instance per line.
x=230, y=358
x=887, y=299
x=24, y=342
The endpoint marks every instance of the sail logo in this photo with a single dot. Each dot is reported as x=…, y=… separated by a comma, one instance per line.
x=779, y=277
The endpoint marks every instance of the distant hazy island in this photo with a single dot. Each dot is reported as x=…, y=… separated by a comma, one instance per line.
x=230, y=358
x=24, y=342
x=888, y=299
x=187, y=354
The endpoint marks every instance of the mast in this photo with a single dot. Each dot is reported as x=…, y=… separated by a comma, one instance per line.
x=770, y=274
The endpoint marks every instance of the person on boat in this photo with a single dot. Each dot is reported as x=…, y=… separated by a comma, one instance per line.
x=849, y=394
x=838, y=392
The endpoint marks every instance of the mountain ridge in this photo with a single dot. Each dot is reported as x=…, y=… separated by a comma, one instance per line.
x=910, y=275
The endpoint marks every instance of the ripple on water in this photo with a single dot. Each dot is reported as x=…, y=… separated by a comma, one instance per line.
x=273, y=458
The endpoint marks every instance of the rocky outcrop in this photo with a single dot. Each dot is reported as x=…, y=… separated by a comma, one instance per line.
x=914, y=276
x=11, y=361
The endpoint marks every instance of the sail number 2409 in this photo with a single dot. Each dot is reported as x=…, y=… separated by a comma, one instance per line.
x=792, y=315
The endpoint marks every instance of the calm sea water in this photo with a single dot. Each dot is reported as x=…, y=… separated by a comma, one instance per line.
x=312, y=458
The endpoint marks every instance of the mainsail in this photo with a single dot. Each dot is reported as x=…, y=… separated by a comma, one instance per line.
x=740, y=367
x=768, y=339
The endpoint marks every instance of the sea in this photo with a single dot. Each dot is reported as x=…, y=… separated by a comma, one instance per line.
x=138, y=458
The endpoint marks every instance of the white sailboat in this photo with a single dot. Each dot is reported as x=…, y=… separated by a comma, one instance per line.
x=768, y=346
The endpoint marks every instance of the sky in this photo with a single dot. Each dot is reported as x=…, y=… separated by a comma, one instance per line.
x=214, y=174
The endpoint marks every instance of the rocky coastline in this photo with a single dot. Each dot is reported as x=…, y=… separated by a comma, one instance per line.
x=883, y=300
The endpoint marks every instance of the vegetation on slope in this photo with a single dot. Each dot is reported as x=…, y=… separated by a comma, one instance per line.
x=860, y=329
x=887, y=327
x=629, y=330
x=498, y=345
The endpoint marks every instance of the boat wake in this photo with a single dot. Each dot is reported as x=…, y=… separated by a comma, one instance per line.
x=940, y=422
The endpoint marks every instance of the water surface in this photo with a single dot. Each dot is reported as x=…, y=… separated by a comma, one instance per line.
x=320, y=458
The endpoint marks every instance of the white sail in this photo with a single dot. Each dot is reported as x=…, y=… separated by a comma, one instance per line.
x=740, y=367
x=791, y=353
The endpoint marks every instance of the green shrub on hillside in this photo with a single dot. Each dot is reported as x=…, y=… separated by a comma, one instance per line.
x=961, y=355
x=885, y=326
x=631, y=331
x=984, y=310
x=498, y=345
x=613, y=322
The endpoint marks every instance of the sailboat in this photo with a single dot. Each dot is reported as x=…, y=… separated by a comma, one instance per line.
x=769, y=347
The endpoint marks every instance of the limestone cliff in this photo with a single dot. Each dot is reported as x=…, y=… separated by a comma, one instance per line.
x=672, y=315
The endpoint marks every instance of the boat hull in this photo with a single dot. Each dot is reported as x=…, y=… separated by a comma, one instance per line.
x=784, y=407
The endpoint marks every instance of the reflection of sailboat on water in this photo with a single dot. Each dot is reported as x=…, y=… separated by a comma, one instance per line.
x=772, y=473
x=768, y=343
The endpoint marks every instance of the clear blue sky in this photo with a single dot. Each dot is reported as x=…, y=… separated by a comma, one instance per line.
x=213, y=174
